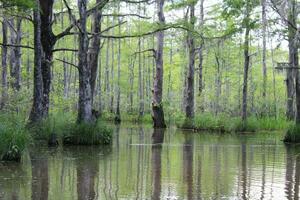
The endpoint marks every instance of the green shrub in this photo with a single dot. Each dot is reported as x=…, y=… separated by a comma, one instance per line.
x=56, y=124
x=293, y=134
x=88, y=134
x=14, y=138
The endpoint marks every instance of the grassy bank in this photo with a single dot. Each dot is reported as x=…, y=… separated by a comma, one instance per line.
x=209, y=122
x=223, y=123
x=293, y=134
x=59, y=128
x=14, y=137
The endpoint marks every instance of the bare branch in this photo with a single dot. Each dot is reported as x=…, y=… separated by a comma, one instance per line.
x=66, y=32
x=125, y=15
x=66, y=62
x=144, y=51
x=20, y=46
x=65, y=49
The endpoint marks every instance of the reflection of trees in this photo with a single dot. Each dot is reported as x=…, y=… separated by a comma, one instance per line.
x=244, y=171
x=40, y=180
x=157, y=141
x=188, y=164
x=292, y=176
x=87, y=167
x=140, y=165
x=289, y=173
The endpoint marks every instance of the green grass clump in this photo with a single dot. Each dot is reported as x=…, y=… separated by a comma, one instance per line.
x=224, y=123
x=248, y=126
x=56, y=124
x=14, y=138
x=88, y=134
x=293, y=134
x=128, y=117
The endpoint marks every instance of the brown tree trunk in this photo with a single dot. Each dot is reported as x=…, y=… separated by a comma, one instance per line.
x=201, y=50
x=189, y=94
x=85, y=93
x=246, y=66
x=118, y=113
x=293, y=54
x=264, y=54
x=36, y=114
x=15, y=52
x=4, y=94
x=157, y=107
x=93, y=54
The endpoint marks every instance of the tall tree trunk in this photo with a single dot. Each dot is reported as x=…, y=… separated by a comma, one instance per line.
x=189, y=94
x=107, y=86
x=118, y=113
x=15, y=52
x=264, y=54
x=112, y=72
x=37, y=109
x=12, y=57
x=140, y=74
x=48, y=41
x=246, y=66
x=293, y=53
x=4, y=94
x=157, y=107
x=85, y=93
x=201, y=49
x=93, y=54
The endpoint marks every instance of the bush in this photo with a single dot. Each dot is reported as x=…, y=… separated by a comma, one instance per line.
x=224, y=123
x=292, y=134
x=56, y=124
x=14, y=138
x=88, y=134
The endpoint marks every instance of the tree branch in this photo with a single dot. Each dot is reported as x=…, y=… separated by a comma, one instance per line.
x=65, y=49
x=125, y=15
x=20, y=46
x=66, y=62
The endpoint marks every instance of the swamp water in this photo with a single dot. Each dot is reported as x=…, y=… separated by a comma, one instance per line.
x=147, y=164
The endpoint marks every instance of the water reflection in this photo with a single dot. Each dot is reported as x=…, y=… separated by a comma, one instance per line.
x=157, y=141
x=159, y=164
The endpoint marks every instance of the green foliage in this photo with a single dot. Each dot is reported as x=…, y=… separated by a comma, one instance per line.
x=128, y=117
x=88, y=134
x=292, y=134
x=56, y=123
x=23, y=4
x=14, y=137
x=224, y=123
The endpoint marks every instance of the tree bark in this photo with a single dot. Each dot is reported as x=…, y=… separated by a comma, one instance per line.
x=85, y=93
x=264, y=54
x=4, y=63
x=293, y=55
x=157, y=107
x=48, y=42
x=189, y=94
x=15, y=52
x=246, y=67
x=118, y=113
x=36, y=114
x=201, y=49
x=93, y=54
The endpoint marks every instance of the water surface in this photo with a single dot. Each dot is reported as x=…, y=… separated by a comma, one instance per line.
x=147, y=164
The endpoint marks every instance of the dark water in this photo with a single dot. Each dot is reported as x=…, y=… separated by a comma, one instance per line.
x=147, y=164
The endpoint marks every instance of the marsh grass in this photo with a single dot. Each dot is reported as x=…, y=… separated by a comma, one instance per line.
x=88, y=134
x=293, y=134
x=14, y=137
x=223, y=123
